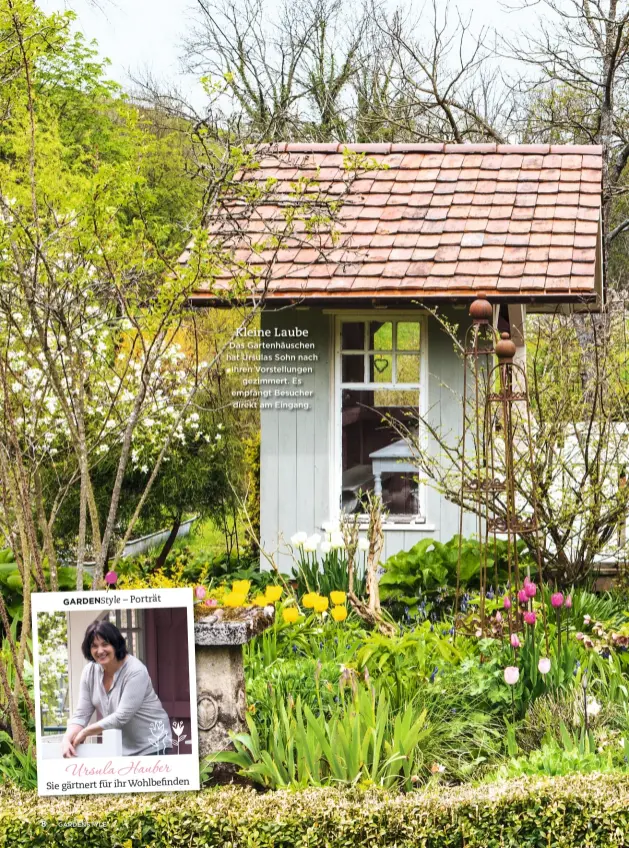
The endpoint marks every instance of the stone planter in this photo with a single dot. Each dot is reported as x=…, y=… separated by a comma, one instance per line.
x=221, y=699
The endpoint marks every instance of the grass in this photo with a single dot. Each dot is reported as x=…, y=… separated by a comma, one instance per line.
x=206, y=539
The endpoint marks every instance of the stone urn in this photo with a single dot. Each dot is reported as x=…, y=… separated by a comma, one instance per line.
x=221, y=699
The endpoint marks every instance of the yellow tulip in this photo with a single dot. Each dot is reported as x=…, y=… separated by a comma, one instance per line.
x=338, y=598
x=309, y=599
x=260, y=601
x=235, y=599
x=290, y=615
x=241, y=586
x=338, y=613
x=321, y=604
x=273, y=593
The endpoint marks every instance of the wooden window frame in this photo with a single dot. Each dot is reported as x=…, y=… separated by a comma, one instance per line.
x=339, y=318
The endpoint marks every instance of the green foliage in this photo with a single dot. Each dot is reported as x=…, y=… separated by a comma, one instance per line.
x=11, y=582
x=590, y=810
x=362, y=743
x=607, y=607
x=400, y=664
x=570, y=753
x=329, y=574
x=312, y=639
x=197, y=567
x=17, y=767
x=426, y=575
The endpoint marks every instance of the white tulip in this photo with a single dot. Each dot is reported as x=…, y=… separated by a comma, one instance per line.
x=330, y=526
x=299, y=539
x=326, y=547
x=363, y=544
x=311, y=543
x=337, y=540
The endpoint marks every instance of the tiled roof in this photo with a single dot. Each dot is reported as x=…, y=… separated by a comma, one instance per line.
x=432, y=220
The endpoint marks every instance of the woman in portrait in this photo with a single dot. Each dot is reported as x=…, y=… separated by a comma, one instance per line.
x=119, y=687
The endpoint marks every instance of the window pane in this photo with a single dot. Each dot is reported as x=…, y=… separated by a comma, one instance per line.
x=405, y=400
x=400, y=492
x=381, y=368
x=407, y=368
x=353, y=368
x=407, y=335
x=366, y=430
x=353, y=335
x=380, y=335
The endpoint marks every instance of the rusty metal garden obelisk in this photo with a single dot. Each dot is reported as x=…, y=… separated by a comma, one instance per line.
x=497, y=417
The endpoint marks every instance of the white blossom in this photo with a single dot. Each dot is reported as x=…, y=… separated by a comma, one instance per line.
x=336, y=540
x=299, y=539
x=312, y=542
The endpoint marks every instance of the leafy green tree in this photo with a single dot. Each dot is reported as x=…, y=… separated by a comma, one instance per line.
x=94, y=300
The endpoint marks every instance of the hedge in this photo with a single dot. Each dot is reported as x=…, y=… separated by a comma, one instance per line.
x=569, y=812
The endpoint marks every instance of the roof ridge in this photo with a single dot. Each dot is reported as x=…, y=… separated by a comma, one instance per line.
x=441, y=147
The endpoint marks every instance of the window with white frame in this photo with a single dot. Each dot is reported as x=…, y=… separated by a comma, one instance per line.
x=130, y=623
x=379, y=380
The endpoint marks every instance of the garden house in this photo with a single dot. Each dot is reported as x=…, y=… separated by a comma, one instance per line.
x=347, y=334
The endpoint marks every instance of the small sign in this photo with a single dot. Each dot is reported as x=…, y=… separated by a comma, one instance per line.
x=115, y=691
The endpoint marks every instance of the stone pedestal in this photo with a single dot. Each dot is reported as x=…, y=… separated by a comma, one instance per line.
x=221, y=700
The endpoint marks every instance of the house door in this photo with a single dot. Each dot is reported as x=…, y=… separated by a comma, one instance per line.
x=166, y=657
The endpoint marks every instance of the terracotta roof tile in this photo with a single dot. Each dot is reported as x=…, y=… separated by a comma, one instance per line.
x=559, y=269
x=514, y=254
x=401, y=253
x=420, y=269
x=500, y=226
x=491, y=252
x=494, y=238
x=434, y=218
x=423, y=254
x=448, y=253
x=444, y=269
x=537, y=254
x=582, y=269
x=472, y=253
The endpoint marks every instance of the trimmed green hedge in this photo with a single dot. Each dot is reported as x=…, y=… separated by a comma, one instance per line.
x=571, y=812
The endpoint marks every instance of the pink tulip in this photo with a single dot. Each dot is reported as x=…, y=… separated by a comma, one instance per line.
x=515, y=642
x=111, y=578
x=512, y=675
x=522, y=596
x=568, y=602
x=498, y=617
x=543, y=665
x=211, y=602
x=200, y=592
x=586, y=620
x=556, y=600
x=530, y=589
x=506, y=602
x=530, y=618
x=579, y=637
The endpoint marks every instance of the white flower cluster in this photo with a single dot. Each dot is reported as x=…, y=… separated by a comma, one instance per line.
x=103, y=362
x=333, y=540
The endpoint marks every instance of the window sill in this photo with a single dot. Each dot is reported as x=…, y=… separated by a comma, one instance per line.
x=419, y=527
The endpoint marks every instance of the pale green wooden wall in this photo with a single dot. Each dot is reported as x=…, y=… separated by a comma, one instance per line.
x=296, y=447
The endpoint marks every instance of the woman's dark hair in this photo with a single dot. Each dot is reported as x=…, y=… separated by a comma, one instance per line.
x=109, y=633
